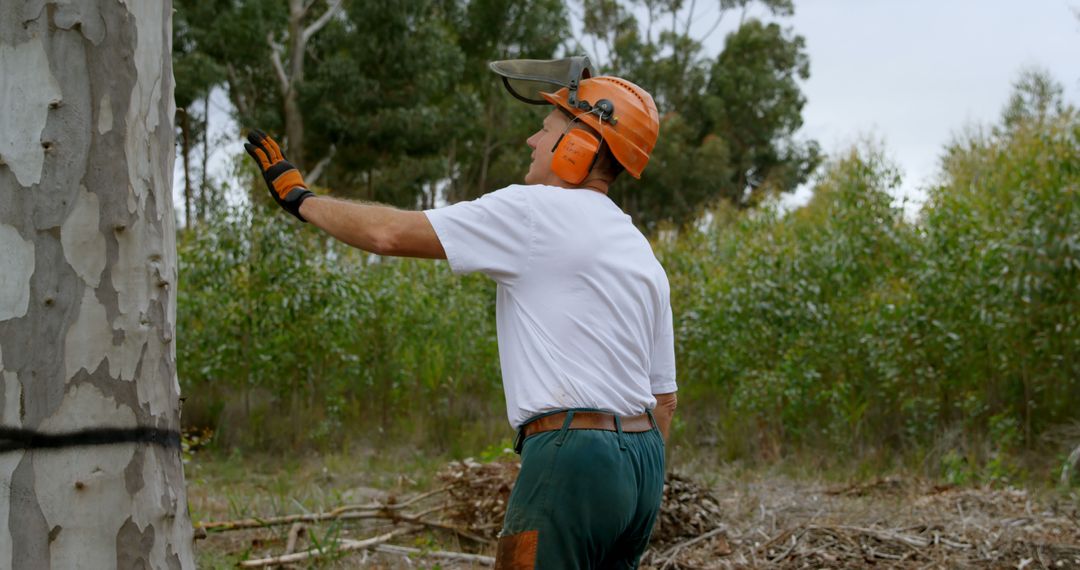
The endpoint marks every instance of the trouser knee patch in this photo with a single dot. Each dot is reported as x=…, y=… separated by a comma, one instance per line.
x=517, y=551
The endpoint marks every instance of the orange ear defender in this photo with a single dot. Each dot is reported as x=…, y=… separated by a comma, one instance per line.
x=575, y=153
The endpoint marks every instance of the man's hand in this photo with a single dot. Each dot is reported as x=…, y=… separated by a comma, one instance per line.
x=282, y=178
x=664, y=411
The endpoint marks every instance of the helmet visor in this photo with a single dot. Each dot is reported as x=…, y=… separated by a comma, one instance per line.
x=526, y=79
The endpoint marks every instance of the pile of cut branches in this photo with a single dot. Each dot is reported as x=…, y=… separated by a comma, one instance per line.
x=477, y=493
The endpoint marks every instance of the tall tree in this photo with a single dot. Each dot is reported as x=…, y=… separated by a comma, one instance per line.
x=303, y=24
x=753, y=102
x=378, y=94
x=196, y=75
x=489, y=140
x=87, y=289
x=728, y=123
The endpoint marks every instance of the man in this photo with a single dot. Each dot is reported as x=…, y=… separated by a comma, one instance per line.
x=583, y=315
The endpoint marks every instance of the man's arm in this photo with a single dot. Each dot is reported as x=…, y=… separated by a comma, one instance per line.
x=379, y=229
x=664, y=411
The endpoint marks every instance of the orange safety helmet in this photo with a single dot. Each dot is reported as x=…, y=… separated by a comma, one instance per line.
x=624, y=114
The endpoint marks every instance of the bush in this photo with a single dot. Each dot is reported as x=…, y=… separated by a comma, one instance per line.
x=286, y=337
x=841, y=326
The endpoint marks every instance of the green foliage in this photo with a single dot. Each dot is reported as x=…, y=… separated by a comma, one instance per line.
x=845, y=326
x=289, y=337
x=377, y=99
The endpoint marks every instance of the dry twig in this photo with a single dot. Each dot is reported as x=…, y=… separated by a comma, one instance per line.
x=339, y=545
x=446, y=555
x=371, y=510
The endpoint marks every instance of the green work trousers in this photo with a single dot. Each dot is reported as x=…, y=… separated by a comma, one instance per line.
x=584, y=499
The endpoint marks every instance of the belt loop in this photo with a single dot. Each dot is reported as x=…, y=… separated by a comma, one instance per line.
x=565, y=428
x=652, y=420
x=618, y=428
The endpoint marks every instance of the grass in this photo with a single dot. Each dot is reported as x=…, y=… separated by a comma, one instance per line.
x=234, y=485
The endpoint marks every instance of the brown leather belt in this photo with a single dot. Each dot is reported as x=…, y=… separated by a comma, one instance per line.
x=588, y=420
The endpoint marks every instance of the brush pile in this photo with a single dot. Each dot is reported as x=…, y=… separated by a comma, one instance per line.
x=477, y=493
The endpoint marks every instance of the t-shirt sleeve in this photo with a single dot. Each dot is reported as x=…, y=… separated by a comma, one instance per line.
x=662, y=363
x=492, y=234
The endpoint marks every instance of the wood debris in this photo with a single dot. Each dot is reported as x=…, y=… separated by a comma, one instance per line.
x=773, y=523
x=925, y=526
x=477, y=493
x=688, y=510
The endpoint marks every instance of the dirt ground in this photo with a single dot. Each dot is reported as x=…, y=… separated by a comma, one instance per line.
x=745, y=520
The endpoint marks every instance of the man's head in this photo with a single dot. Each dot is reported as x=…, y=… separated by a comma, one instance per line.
x=556, y=124
x=620, y=116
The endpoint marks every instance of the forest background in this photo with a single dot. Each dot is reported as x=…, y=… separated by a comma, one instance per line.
x=843, y=329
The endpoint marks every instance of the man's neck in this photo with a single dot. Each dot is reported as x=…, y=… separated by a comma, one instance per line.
x=597, y=184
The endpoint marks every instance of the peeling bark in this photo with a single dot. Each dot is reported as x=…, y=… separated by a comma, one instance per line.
x=87, y=284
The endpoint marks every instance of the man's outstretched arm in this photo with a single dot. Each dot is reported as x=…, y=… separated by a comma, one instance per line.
x=371, y=227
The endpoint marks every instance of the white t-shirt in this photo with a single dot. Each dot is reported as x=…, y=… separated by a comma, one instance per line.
x=583, y=307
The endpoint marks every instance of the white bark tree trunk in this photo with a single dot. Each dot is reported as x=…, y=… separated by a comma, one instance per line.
x=90, y=469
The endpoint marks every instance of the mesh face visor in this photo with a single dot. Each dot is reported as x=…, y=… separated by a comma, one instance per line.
x=525, y=79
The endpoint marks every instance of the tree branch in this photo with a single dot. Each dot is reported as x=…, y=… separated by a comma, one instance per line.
x=371, y=510
x=340, y=545
x=321, y=22
x=275, y=59
x=455, y=556
x=234, y=89
x=690, y=18
x=320, y=166
x=719, y=18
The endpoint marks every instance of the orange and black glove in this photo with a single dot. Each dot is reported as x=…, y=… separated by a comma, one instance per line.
x=282, y=178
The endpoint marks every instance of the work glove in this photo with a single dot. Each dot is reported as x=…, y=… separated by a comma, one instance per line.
x=282, y=178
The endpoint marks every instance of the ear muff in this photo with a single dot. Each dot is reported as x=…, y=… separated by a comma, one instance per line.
x=574, y=155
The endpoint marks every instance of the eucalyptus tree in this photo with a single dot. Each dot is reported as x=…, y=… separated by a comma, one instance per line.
x=90, y=468
x=729, y=121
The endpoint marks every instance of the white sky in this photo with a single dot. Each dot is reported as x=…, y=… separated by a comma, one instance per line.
x=907, y=72
x=913, y=72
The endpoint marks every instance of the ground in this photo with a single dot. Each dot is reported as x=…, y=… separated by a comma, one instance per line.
x=715, y=517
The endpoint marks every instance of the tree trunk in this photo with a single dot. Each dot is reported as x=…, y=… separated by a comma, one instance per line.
x=90, y=469
x=294, y=120
x=204, y=188
x=185, y=152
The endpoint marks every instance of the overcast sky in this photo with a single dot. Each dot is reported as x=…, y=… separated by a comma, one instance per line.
x=907, y=72
x=913, y=72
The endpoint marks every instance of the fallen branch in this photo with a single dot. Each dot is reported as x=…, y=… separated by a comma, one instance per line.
x=456, y=556
x=885, y=535
x=340, y=545
x=371, y=510
x=416, y=519
x=669, y=555
x=295, y=532
x=794, y=542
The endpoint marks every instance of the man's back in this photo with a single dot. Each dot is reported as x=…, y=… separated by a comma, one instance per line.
x=584, y=319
